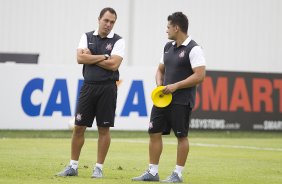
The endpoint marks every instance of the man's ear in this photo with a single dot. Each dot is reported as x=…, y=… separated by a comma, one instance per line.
x=176, y=28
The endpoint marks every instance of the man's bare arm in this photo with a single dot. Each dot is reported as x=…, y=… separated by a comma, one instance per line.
x=112, y=63
x=84, y=56
x=196, y=78
x=160, y=75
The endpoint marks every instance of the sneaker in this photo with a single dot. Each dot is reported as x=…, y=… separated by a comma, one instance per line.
x=69, y=171
x=147, y=176
x=173, y=178
x=97, y=173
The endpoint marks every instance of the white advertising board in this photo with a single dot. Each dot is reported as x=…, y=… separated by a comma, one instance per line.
x=44, y=96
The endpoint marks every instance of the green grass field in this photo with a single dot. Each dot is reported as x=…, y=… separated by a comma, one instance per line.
x=214, y=158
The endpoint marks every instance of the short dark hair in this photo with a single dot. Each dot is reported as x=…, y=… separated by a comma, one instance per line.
x=179, y=19
x=104, y=10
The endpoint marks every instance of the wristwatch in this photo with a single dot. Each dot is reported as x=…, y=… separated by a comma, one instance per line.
x=106, y=56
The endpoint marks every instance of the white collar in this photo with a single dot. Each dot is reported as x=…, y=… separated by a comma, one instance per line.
x=186, y=42
x=110, y=35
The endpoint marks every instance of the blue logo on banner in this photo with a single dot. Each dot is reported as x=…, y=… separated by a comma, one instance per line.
x=140, y=107
x=28, y=107
x=59, y=101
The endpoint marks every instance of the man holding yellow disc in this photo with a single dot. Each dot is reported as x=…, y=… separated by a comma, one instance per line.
x=181, y=69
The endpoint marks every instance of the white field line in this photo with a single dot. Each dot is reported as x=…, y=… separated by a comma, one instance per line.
x=203, y=145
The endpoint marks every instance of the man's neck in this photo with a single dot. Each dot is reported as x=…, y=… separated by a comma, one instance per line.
x=181, y=39
x=102, y=36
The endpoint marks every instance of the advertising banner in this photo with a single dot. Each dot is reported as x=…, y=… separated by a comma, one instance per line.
x=44, y=97
x=239, y=100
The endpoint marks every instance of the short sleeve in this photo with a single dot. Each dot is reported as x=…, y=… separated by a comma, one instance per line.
x=119, y=48
x=162, y=60
x=197, y=57
x=83, y=42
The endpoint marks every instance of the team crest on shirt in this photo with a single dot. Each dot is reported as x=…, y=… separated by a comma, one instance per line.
x=109, y=46
x=78, y=117
x=182, y=54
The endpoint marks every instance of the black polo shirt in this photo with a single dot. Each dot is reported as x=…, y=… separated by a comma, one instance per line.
x=177, y=68
x=100, y=46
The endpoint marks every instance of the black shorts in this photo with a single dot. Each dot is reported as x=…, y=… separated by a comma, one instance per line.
x=174, y=116
x=97, y=101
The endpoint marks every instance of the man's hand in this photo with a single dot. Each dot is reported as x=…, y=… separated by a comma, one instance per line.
x=84, y=56
x=170, y=88
x=86, y=51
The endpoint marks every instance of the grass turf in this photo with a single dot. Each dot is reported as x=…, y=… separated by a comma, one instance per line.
x=214, y=158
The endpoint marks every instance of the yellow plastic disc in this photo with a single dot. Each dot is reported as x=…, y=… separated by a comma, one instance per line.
x=159, y=99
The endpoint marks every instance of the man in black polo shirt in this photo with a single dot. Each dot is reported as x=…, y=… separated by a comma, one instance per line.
x=101, y=53
x=181, y=69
